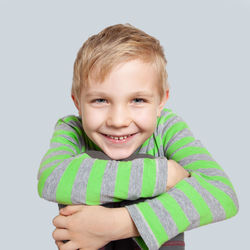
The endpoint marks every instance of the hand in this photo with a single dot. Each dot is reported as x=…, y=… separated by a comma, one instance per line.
x=175, y=174
x=84, y=227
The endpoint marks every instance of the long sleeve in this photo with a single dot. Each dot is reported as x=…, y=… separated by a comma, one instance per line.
x=68, y=175
x=206, y=197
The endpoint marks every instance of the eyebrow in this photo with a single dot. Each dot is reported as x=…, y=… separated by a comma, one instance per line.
x=143, y=93
x=137, y=93
x=96, y=93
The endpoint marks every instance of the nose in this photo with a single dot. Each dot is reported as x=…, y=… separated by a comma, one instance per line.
x=119, y=117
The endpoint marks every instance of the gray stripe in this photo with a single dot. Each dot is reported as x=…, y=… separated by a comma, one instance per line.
x=149, y=146
x=161, y=151
x=74, y=123
x=71, y=139
x=179, y=135
x=78, y=195
x=49, y=190
x=161, y=176
x=187, y=207
x=66, y=126
x=164, y=217
x=57, y=144
x=212, y=172
x=179, y=237
x=54, y=153
x=195, y=143
x=152, y=144
x=165, y=112
x=193, y=158
x=143, y=227
x=142, y=150
x=226, y=189
x=161, y=128
x=108, y=182
x=170, y=122
x=135, y=181
x=217, y=210
x=47, y=166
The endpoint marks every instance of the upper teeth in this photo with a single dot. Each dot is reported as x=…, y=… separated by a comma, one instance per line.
x=118, y=138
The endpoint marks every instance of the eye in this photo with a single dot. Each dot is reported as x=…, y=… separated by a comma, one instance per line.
x=99, y=100
x=138, y=100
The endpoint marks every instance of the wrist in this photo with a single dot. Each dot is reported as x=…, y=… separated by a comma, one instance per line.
x=171, y=175
x=124, y=226
x=176, y=173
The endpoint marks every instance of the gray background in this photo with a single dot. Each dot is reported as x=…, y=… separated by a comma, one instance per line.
x=207, y=47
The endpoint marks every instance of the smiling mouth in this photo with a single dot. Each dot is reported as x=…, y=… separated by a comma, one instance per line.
x=119, y=138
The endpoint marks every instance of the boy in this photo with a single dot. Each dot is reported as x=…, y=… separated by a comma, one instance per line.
x=120, y=89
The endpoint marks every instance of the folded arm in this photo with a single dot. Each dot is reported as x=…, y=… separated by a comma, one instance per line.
x=68, y=175
x=205, y=197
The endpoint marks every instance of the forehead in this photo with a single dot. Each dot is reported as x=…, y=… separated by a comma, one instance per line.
x=136, y=71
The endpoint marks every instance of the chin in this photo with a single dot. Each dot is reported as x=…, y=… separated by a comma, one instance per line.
x=118, y=155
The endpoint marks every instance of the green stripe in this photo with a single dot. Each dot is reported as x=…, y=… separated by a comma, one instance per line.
x=70, y=118
x=93, y=146
x=59, y=122
x=54, y=158
x=201, y=164
x=79, y=131
x=197, y=201
x=61, y=140
x=122, y=180
x=189, y=151
x=141, y=242
x=93, y=192
x=163, y=119
x=61, y=148
x=145, y=144
x=65, y=185
x=225, y=200
x=153, y=222
x=149, y=177
x=218, y=178
x=83, y=149
x=175, y=211
x=174, y=129
x=45, y=174
x=67, y=133
x=167, y=110
x=178, y=144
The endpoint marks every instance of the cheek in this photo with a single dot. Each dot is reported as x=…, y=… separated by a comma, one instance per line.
x=92, y=119
x=146, y=119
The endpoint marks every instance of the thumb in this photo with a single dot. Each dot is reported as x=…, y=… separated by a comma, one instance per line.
x=71, y=209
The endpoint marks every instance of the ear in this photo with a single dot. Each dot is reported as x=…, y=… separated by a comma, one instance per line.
x=162, y=102
x=77, y=104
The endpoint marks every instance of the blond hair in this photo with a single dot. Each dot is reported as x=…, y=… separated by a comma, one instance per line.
x=113, y=45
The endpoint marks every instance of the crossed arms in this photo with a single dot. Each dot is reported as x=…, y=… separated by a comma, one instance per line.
x=67, y=175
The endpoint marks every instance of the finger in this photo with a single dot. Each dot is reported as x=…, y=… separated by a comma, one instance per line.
x=69, y=246
x=60, y=234
x=60, y=221
x=59, y=243
x=71, y=209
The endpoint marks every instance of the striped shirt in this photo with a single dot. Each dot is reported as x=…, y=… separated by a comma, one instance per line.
x=68, y=175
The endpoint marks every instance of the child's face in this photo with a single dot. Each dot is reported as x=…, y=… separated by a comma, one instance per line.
x=120, y=113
